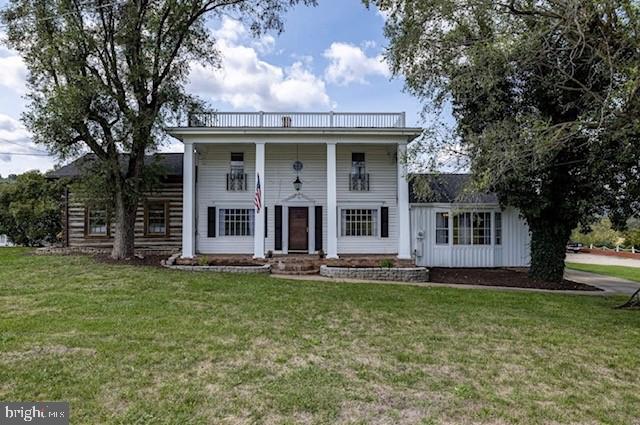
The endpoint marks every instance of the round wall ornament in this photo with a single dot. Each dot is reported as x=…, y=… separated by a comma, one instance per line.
x=297, y=166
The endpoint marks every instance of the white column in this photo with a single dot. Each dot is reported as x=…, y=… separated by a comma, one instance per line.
x=188, y=201
x=258, y=237
x=332, y=212
x=404, y=233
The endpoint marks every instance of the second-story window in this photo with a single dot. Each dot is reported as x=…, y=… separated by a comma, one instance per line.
x=359, y=179
x=236, y=179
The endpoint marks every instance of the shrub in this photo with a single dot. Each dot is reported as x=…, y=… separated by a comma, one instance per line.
x=30, y=209
x=386, y=263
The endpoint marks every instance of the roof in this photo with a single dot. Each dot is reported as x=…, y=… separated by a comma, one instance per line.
x=409, y=133
x=171, y=163
x=448, y=188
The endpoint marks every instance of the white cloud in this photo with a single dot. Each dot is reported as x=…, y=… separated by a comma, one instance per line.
x=245, y=81
x=12, y=130
x=349, y=64
x=16, y=148
x=14, y=71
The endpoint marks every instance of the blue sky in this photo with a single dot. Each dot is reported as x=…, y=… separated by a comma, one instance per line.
x=328, y=58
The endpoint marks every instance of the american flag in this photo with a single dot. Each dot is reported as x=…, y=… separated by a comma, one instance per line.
x=258, y=198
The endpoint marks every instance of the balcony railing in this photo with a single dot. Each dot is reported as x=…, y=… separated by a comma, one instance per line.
x=359, y=182
x=236, y=182
x=297, y=119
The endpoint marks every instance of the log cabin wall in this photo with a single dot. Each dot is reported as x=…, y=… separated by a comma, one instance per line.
x=169, y=192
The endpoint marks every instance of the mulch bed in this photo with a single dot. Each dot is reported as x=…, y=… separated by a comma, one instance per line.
x=147, y=260
x=501, y=277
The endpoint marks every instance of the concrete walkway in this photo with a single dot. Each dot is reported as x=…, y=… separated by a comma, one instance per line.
x=606, y=260
x=609, y=285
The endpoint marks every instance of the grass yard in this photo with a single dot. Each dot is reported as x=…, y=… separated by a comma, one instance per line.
x=141, y=345
x=629, y=273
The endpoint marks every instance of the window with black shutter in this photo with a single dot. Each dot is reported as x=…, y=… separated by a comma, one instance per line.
x=266, y=221
x=278, y=228
x=318, y=226
x=211, y=222
x=384, y=222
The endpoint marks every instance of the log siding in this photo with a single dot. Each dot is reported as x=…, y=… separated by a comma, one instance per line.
x=168, y=193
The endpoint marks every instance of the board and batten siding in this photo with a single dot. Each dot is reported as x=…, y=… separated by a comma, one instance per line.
x=213, y=166
x=513, y=252
x=170, y=192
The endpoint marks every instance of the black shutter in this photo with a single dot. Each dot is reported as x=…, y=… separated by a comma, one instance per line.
x=211, y=222
x=278, y=228
x=384, y=222
x=318, y=226
x=266, y=221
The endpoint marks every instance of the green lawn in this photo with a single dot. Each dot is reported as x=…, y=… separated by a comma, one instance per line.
x=630, y=273
x=130, y=345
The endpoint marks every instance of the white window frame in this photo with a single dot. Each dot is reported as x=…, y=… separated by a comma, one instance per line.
x=448, y=228
x=497, y=238
x=471, y=212
x=221, y=223
x=375, y=209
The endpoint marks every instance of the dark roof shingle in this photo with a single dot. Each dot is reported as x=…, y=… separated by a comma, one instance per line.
x=171, y=163
x=448, y=188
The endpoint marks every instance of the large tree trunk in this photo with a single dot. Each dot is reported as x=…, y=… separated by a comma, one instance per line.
x=124, y=226
x=549, y=239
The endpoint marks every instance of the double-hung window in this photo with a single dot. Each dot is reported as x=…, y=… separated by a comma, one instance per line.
x=462, y=228
x=236, y=179
x=156, y=219
x=442, y=228
x=359, y=222
x=236, y=221
x=472, y=228
x=482, y=228
x=97, y=222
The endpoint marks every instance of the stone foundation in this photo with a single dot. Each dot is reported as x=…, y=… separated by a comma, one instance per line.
x=399, y=274
x=265, y=268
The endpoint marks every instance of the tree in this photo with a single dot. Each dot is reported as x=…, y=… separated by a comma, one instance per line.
x=599, y=234
x=30, y=209
x=546, y=100
x=106, y=76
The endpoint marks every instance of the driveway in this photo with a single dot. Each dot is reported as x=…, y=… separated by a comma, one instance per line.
x=609, y=284
x=602, y=259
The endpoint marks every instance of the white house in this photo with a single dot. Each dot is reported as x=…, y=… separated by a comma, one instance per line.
x=336, y=182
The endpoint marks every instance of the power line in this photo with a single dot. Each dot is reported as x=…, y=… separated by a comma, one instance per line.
x=25, y=154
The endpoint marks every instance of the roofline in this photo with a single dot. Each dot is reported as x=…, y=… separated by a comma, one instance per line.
x=411, y=132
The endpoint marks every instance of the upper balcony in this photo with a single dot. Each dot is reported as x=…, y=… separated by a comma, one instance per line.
x=307, y=120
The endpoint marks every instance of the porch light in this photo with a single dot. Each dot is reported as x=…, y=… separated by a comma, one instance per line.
x=297, y=184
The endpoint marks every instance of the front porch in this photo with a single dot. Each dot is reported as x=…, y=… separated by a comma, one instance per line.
x=254, y=187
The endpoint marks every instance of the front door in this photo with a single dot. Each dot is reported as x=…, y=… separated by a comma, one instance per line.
x=298, y=229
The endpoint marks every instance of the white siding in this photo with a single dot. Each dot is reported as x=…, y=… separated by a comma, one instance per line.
x=213, y=165
x=513, y=252
x=211, y=191
x=381, y=167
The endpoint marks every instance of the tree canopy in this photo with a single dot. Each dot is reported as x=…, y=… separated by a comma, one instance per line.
x=545, y=95
x=107, y=76
x=30, y=209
